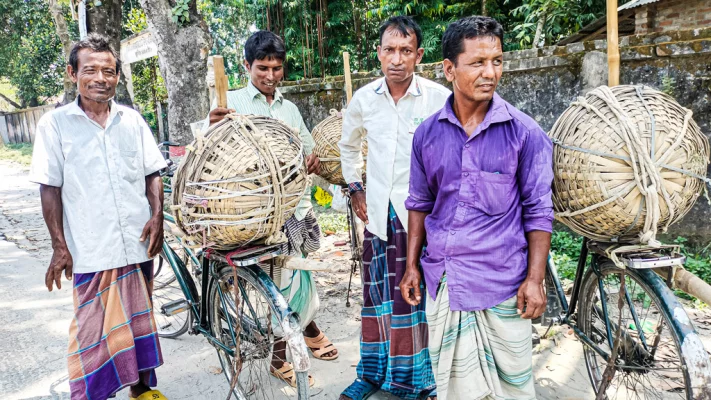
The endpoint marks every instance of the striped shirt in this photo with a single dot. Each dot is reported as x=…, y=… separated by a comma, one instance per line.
x=250, y=100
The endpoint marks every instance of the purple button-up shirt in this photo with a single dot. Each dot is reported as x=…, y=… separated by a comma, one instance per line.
x=482, y=193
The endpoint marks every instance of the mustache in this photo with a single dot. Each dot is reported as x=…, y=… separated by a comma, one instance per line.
x=487, y=82
x=105, y=87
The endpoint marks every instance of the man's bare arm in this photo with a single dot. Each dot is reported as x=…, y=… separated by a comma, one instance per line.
x=531, y=293
x=410, y=284
x=53, y=214
x=154, y=228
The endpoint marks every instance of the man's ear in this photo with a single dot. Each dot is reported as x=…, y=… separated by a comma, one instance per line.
x=378, y=53
x=420, y=54
x=246, y=65
x=72, y=74
x=448, y=67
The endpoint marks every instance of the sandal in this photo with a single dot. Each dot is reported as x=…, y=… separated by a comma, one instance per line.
x=150, y=395
x=286, y=373
x=322, y=346
x=360, y=389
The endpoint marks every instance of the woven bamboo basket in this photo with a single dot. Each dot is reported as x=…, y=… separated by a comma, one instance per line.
x=326, y=135
x=628, y=161
x=239, y=183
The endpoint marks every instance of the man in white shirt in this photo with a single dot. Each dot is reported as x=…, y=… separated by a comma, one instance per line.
x=394, y=354
x=102, y=200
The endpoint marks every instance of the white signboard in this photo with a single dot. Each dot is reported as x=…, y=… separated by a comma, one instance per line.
x=138, y=48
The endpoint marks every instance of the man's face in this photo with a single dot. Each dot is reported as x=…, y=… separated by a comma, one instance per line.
x=96, y=75
x=266, y=74
x=398, y=55
x=477, y=70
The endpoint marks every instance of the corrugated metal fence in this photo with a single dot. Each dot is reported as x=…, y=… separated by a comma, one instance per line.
x=20, y=126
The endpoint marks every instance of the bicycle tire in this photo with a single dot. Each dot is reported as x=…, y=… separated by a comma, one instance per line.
x=647, y=365
x=249, y=335
x=165, y=290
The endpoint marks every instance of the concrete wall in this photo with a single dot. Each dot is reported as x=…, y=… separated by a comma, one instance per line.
x=672, y=15
x=543, y=82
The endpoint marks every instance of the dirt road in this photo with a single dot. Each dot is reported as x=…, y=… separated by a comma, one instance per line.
x=36, y=322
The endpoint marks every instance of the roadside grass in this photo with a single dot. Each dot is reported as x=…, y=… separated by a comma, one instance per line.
x=20, y=153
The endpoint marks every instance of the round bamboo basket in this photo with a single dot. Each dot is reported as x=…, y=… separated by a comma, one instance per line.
x=628, y=161
x=326, y=135
x=240, y=182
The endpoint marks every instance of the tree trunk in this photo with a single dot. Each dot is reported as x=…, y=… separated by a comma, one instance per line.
x=60, y=26
x=182, y=57
x=106, y=19
x=483, y=8
x=540, y=37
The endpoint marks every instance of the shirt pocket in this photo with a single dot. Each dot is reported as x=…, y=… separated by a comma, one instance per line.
x=495, y=192
x=129, y=165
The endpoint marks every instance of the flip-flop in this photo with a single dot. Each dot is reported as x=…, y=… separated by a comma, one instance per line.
x=286, y=373
x=322, y=346
x=150, y=395
x=360, y=389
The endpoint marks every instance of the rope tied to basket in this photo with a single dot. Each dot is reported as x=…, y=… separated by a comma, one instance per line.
x=241, y=182
x=611, y=153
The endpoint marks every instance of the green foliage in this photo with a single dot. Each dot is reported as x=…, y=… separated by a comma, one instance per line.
x=332, y=221
x=181, y=12
x=565, y=250
x=31, y=52
x=561, y=18
x=20, y=153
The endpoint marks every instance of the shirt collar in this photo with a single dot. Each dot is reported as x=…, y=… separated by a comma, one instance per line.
x=414, y=89
x=254, y=92
x=75, y=109
x=498, y=112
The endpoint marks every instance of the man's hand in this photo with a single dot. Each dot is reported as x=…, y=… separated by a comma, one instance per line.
x=154, y=231
x=410, y=286
x=533, y=297
x=61, y=262
x=218, y=114
x=359, y=205
x=313, y=164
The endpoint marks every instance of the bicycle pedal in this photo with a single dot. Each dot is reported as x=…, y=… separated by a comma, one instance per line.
x=174, y=307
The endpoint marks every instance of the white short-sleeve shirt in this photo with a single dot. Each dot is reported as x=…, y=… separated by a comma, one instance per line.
x=102, y=175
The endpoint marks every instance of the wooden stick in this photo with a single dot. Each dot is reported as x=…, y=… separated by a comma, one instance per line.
x=613, y=51
x=347, y=76
x=221, y=82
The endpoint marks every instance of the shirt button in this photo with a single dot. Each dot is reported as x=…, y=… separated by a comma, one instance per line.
x=449, y=258
x=461, y=204
x=466, y=145
x=466, y=174
x=452, y=232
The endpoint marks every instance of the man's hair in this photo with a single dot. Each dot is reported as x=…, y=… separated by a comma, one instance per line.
x=468, y=28
x=264, y=44
x=404, y=25
x=97, y=43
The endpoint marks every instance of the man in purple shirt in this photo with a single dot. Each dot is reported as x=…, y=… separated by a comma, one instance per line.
x=480, y=197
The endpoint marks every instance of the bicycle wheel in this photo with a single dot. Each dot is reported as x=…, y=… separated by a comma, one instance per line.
x=257, y=313
x=166, y=295
x=651, y=362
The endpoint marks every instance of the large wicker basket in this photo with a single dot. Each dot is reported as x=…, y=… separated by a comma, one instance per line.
x=326, y=135
x=240, y=182
x=629, y=161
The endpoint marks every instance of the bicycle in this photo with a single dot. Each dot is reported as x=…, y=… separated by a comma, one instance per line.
x=237, y=307
x=628, y=319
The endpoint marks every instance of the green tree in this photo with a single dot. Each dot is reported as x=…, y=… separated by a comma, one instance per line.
x=31, y=52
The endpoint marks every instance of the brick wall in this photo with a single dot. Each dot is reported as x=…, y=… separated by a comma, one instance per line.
x=672, y=15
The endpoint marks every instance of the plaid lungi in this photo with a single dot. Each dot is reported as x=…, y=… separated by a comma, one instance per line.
x=393, y=347
x=480, y=354
x=298, y=286
x=112, y=340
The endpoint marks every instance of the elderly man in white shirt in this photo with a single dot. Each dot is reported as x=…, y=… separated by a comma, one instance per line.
x=394, y=354
x=102, y=200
